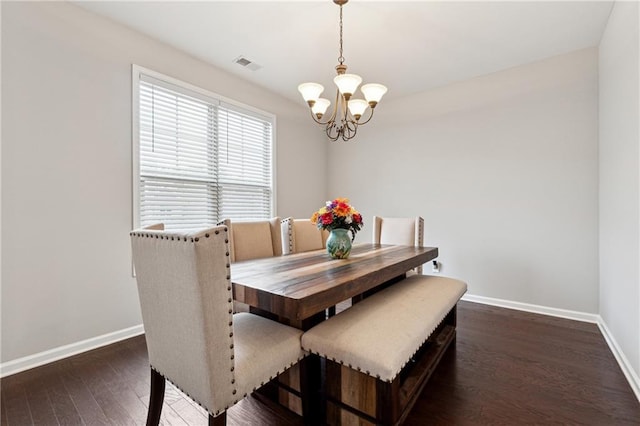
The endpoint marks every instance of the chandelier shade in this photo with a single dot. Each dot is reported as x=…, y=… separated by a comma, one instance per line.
x=320, y=107
x=310, y=91
x=373, y=92
x=347, y=113
x=347, y=84
x=357, y=107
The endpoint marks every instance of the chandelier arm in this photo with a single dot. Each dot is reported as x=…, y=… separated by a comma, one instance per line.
x=345, y=110
x=328, y=131
x=334, y=113
x=360, y=123
x=348, y=130
x=349, y=133
x=323, y=123
x=352, y=127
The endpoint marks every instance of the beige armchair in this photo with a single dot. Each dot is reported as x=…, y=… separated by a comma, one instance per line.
x=406, y=231
x=300, y=235
x=193, y=338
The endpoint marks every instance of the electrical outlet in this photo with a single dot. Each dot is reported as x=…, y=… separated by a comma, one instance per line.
x=436, y=267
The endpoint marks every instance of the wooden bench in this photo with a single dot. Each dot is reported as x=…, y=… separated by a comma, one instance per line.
x=380, y=352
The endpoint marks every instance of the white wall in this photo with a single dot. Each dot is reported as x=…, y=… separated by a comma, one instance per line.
x=504, y=170
x=66, y=169
x=620, y=180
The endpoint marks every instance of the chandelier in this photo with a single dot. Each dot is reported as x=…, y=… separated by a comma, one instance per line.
x=347, y=113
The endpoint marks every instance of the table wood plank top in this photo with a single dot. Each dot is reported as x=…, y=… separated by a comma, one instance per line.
x=301, y=285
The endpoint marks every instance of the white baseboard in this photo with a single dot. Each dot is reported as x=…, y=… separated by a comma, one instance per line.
x=536, y=309
x=623, y=362
x=625, y=365
x=55, y=354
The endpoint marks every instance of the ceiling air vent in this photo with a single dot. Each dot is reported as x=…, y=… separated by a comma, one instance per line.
x=241, y=60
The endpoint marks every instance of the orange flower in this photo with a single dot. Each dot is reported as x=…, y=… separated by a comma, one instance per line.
x=341, y=210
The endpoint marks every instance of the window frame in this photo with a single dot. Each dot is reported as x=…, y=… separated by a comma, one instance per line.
x=190, y=90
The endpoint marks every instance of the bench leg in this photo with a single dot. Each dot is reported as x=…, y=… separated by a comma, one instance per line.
x=388, y=401
x=311, y=395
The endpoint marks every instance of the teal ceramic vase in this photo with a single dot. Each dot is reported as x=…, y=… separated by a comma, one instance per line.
x=339, y=244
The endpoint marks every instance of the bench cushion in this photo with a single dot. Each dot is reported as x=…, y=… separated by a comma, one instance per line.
x=379, y=335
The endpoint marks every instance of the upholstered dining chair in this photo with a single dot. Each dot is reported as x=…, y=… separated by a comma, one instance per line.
x=300, y=235
x=254, y=239
x=193, y=338
x=405, y=231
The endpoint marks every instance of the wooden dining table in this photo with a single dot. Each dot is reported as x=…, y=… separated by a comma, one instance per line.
x=299, y=289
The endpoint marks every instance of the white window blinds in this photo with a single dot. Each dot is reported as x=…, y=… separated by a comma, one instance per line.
x=200, y=159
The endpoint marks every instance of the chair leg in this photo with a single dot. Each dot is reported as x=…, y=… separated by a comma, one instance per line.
x=220, y=420
x=156, y=398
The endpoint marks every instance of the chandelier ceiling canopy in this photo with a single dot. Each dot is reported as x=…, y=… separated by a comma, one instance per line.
x=347, y=113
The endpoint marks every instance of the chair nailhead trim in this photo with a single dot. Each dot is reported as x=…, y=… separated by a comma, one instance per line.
x=282, y=371
x=186, y=393
x=290, y=228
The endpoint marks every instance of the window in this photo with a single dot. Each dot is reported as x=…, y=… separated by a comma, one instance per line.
x=198, y=158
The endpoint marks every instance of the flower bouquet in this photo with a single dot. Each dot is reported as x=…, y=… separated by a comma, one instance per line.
x=338, y=217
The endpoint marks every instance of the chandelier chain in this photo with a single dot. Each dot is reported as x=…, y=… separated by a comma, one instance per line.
x=340, y=58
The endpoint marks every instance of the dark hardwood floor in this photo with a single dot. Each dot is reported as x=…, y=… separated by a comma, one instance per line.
x=508, y=367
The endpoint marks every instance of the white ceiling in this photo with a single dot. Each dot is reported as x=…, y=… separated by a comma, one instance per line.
x=409, y=46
